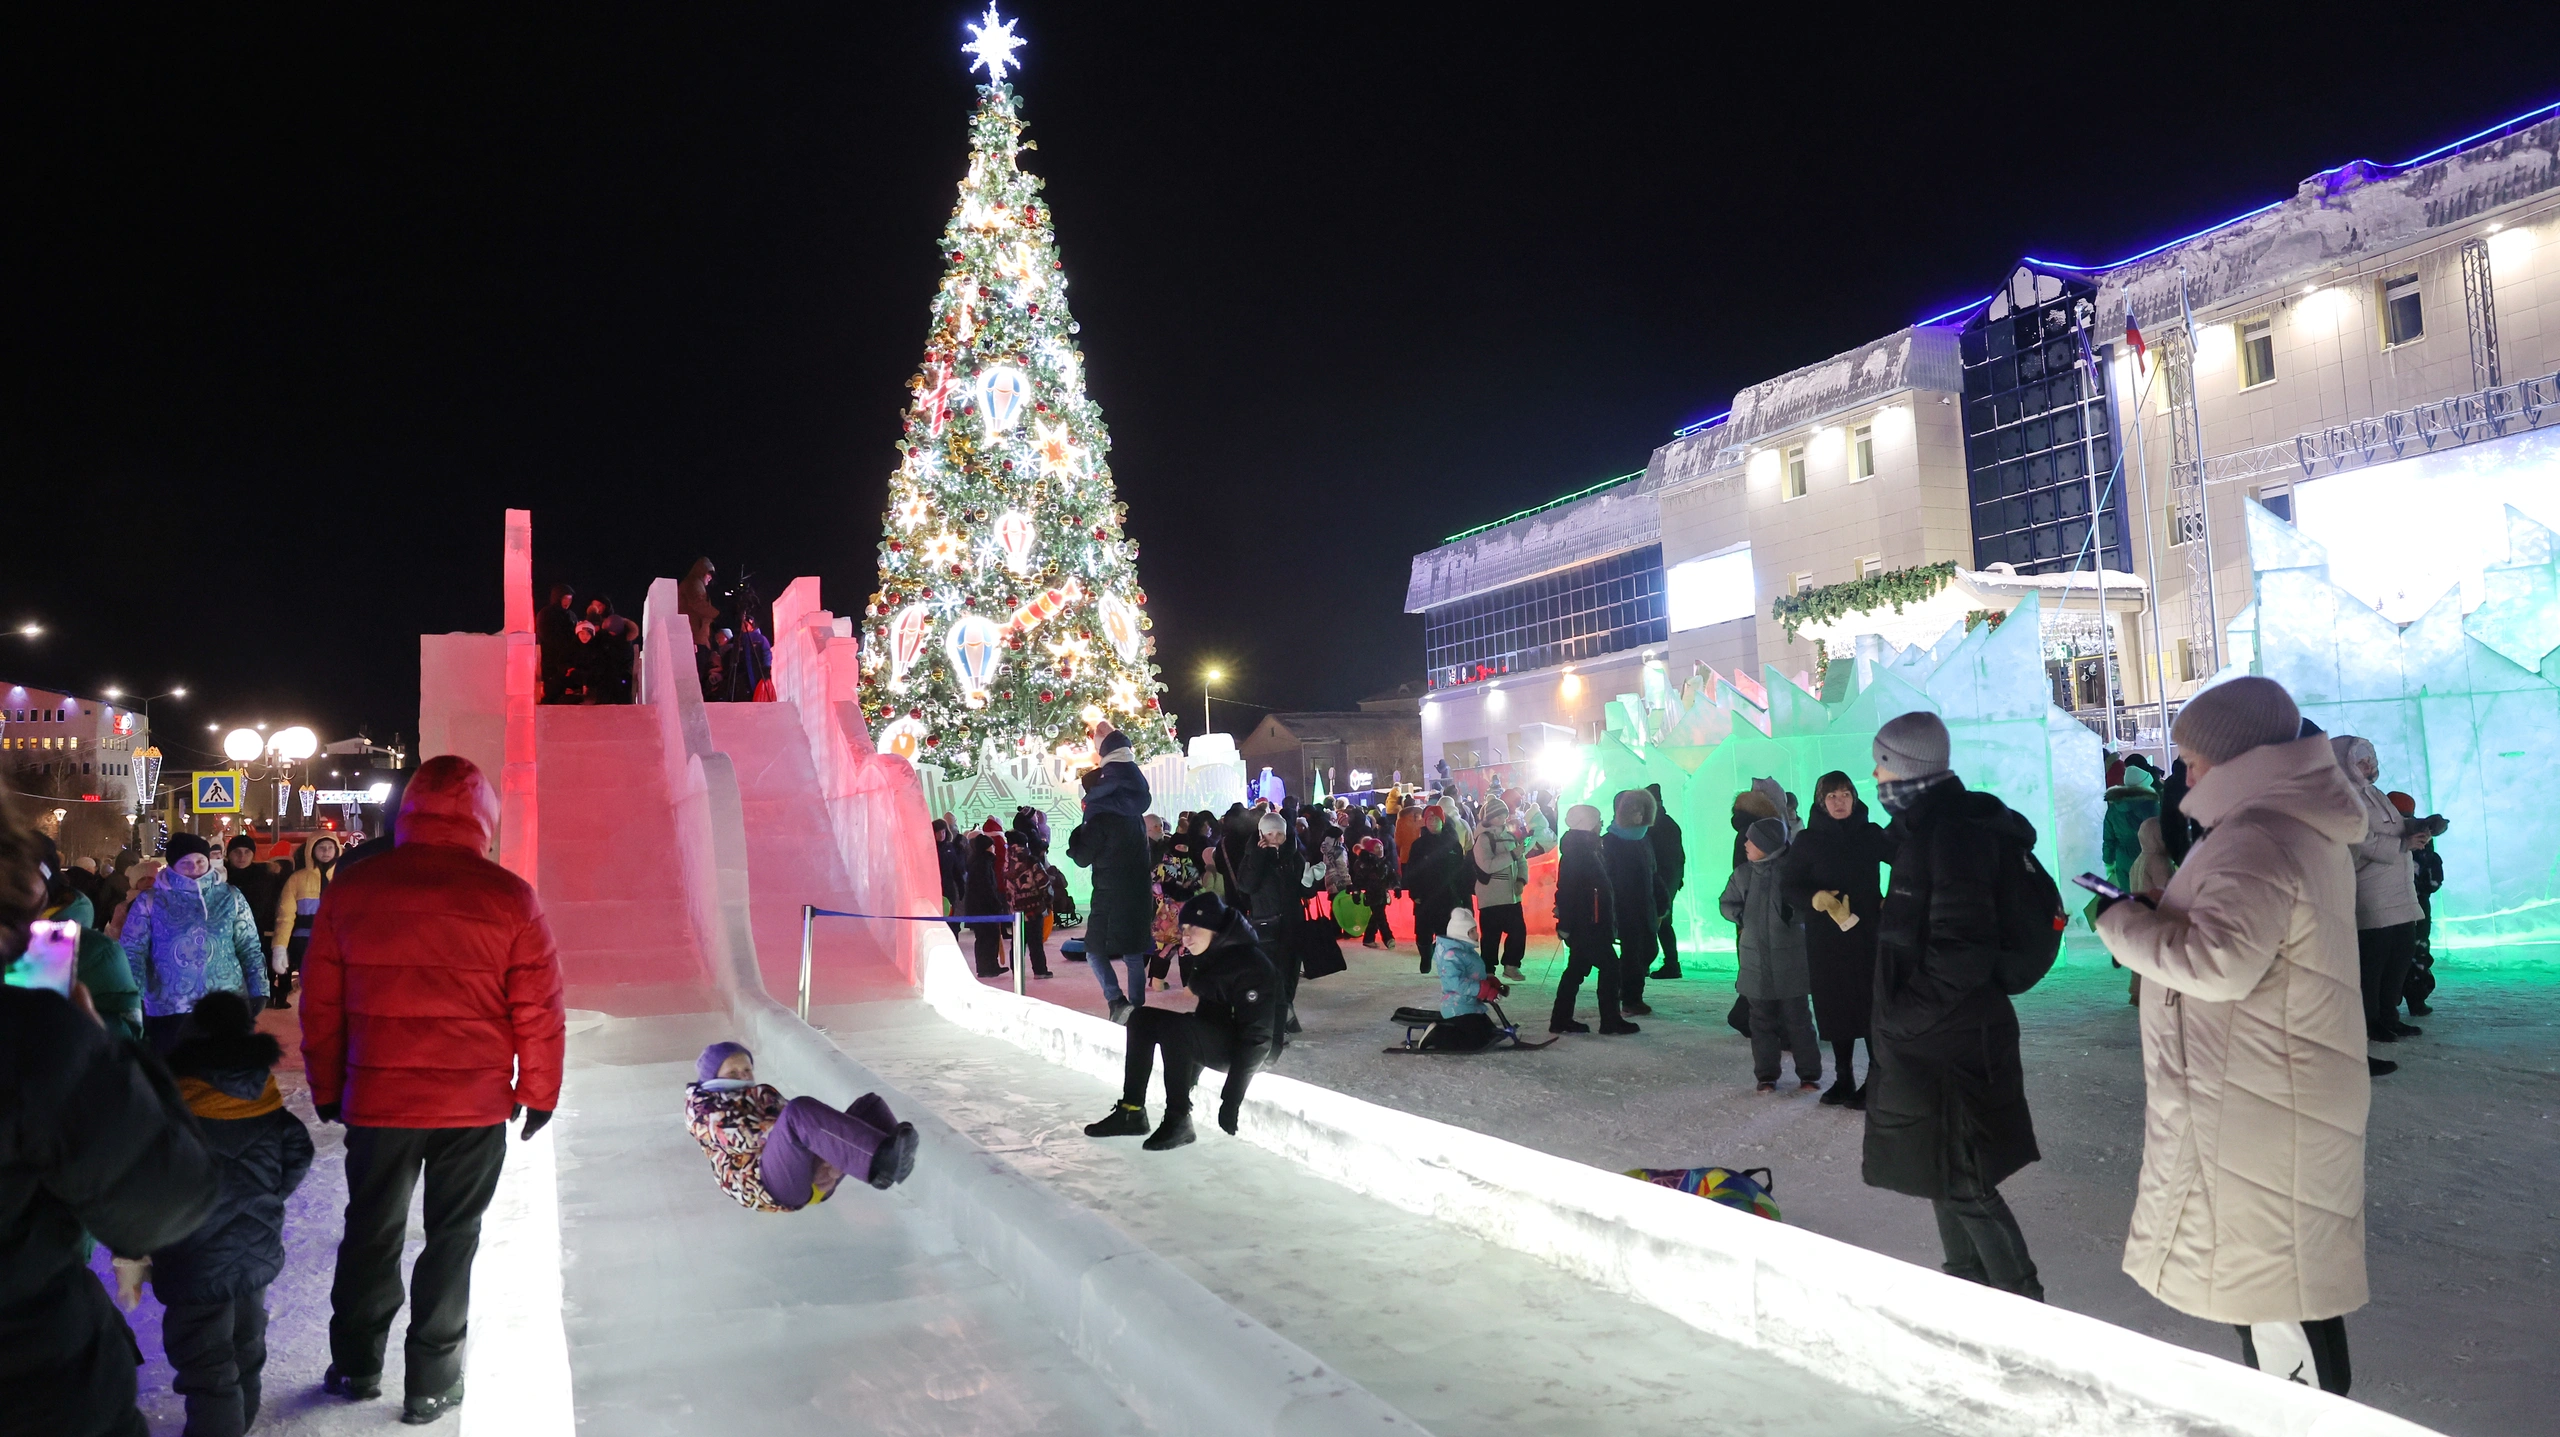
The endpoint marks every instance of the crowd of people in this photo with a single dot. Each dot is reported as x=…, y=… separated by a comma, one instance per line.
x=590, y=654
x=2275, y=920
x=2268, y=897
x=141, y=1110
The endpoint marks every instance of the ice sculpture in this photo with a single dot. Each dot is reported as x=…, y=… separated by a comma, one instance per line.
x=2463, y=709
x=1708, y=741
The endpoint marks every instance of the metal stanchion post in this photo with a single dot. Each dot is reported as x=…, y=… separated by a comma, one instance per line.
x=808, y=920
x=1021, y=955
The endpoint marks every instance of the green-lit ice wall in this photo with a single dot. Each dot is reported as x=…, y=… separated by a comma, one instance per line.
x=2463, y=709
x=1988, y=684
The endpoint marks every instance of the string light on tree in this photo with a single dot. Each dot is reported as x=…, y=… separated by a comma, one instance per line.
x=1008, y=607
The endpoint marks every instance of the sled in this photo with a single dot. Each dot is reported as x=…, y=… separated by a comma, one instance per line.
x=1418, y=1023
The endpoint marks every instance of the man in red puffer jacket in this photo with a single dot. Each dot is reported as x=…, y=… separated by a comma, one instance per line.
x=431, y=1014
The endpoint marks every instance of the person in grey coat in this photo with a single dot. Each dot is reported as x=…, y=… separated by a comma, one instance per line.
x=1775, y=978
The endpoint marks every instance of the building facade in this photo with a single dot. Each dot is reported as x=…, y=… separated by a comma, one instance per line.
x=64, y=755
x=2085, y=432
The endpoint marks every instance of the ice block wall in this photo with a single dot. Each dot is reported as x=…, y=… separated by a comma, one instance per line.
x=2463, y=709
x=1705, y=746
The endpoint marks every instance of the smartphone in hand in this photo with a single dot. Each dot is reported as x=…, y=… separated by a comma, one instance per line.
x=2100, y=886
x=52, y=957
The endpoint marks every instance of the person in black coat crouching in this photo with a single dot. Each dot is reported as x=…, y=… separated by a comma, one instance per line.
x=214, y=1282
x=1233, y=1027
x=1947, y=1115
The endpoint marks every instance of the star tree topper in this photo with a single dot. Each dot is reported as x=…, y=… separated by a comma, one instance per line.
x=993, y=43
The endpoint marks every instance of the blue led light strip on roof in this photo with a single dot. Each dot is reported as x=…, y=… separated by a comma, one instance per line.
x=2436, y=153
x=1710, y=422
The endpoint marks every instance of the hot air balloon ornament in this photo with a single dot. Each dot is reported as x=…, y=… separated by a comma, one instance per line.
x=974, y=646
x=907, y=635
x=1013, y=536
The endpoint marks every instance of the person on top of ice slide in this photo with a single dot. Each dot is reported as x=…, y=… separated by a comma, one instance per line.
x=778, y=1156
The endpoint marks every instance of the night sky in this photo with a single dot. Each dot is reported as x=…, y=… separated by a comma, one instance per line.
x=300, y=299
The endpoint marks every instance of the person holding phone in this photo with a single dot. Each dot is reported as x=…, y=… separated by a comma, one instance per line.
x=94, y=1141
x=2250, y=1208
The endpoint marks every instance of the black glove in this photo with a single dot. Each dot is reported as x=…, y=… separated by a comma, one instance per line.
x=534, y=1118
x=1228, y=1110
x=328, y=1112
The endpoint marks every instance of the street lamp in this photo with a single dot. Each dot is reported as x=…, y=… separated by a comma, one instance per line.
x=176, y=693
x=29, y=631
x=1211, y=677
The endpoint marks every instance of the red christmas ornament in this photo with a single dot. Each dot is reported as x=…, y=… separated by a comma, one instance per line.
x=1047, y=697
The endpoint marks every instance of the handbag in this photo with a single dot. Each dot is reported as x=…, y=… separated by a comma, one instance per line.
x=1318, y=954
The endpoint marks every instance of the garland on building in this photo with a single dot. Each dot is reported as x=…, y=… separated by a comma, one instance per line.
x=1009, y=610
x=1831, y=602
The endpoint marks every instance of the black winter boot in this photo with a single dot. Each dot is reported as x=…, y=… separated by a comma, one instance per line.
x=1174, y=1132
x=1126, y=1120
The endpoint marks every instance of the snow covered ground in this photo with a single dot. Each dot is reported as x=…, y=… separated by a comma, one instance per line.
x=684, y=1312
x=2464, y=1158
x=1462, y=1335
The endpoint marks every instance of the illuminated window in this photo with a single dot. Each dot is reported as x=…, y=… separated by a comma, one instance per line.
x=1863, y=457
x=2404, y=318
x=1795, y=473
x=1711, y=589
x=1580, y=613
x=2257, y=352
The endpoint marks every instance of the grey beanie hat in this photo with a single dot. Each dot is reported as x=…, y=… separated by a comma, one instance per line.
x=1767, y=834
x=2235, y=716
x=1913, y=746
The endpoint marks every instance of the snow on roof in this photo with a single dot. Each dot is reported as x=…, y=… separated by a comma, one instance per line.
x=1919, y=357
x=1622, y=517
x=2335, y=218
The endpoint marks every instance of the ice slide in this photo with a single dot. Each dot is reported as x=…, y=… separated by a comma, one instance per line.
x=1909, y=1350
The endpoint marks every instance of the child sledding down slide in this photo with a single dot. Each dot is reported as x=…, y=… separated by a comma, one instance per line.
x=777, y=1156
x=1470, y=1017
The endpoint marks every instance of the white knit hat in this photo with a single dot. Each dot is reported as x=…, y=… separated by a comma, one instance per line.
x=2235, y=716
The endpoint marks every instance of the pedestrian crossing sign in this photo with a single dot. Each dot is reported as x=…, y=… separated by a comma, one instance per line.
x=218, y=792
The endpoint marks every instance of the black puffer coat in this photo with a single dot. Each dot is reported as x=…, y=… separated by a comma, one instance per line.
x=1120, y=921
x=92, y=1136
x=1238, y=992
x=1269, y=882
x=240, y=1248
x=1946, y=1097
x=1834, y=854
x=1642, y=900
x=1586, y=906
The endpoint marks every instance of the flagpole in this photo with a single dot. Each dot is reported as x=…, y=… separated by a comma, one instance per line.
x=2084, y=311
x=2204, y=496
x=2150, y=541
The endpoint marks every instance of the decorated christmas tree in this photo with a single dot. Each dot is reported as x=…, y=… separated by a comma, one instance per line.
x=1009, y=612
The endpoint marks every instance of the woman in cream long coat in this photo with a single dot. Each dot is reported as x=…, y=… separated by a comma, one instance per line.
x=2251, y=1204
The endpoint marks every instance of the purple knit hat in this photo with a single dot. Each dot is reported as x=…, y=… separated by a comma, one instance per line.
x=707, y=1067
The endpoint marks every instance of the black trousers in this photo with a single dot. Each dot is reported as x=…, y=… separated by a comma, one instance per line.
x=1378, y=927
x=1670, y=942
x=1280, y=945
x=1503, y=925
x=1430, y=920
x=220, y=1352
x=1983, y=1244
x=2383, y=959
x=2328, y=1338
x=383, y=1167
x=1582, y=960
x=1188, y=1041
x=990, y=940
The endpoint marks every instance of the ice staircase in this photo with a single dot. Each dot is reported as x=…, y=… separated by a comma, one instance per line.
x=792, y=859
x=608, y=871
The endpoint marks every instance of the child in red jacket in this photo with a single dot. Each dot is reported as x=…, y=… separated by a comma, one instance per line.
x=777, y=1156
